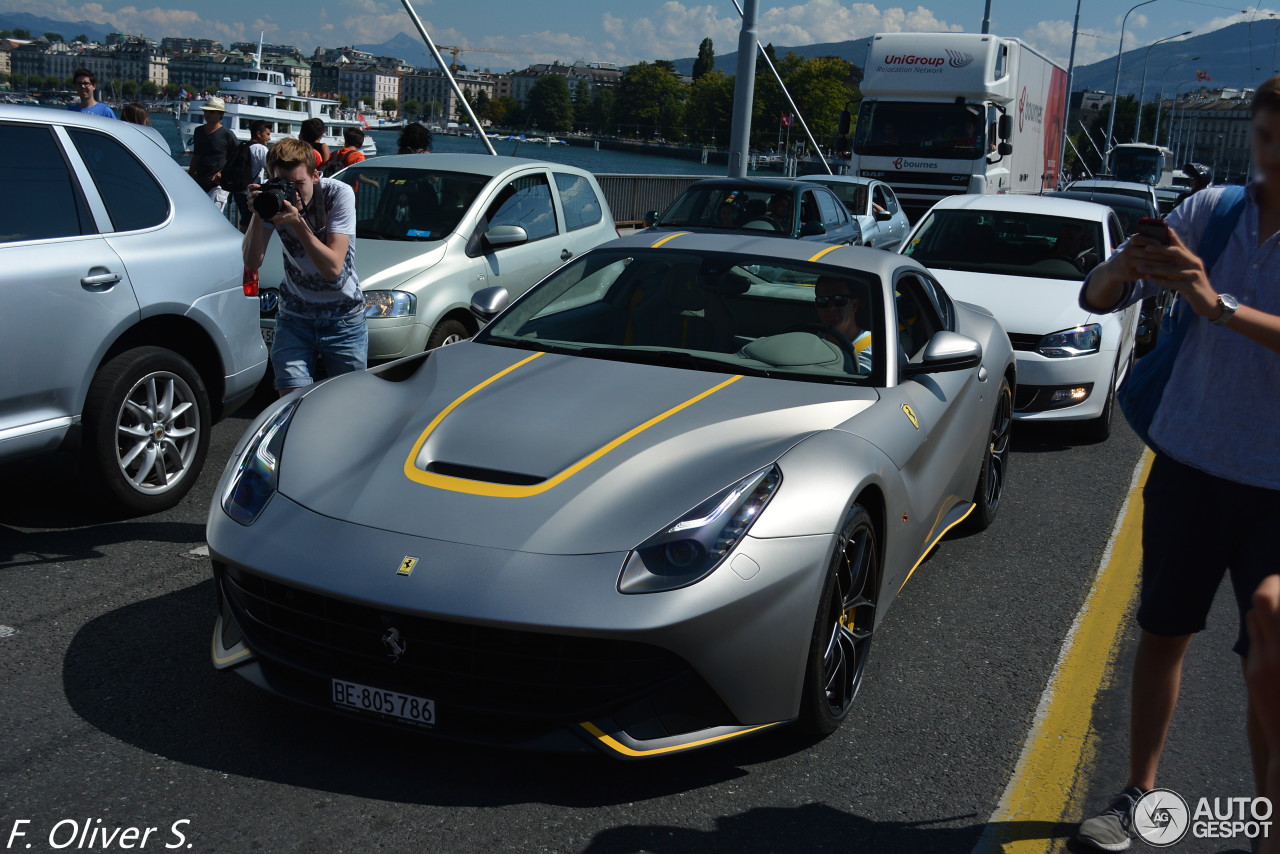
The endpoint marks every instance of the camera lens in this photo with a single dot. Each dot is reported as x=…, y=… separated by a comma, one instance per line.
x=268, y=203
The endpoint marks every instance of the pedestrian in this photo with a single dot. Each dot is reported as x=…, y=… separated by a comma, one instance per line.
x=1213, y=491
x=211, y=144
x=86, y=87
x=1263, y=676
x=312, y=132
x=136, y=114
x=415, y=138
x=259, y=136
x=321, y=305
x=353, y=139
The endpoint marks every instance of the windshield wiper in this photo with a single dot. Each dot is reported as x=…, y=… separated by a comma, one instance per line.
x=672, y=358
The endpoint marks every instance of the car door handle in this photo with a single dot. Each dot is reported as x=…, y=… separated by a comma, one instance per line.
x=99, y=281
x=565, y=255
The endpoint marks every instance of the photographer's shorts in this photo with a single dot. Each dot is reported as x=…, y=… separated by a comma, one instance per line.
x=1195, y=528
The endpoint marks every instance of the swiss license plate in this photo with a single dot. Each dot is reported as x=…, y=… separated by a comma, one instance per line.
x=268, y=335
x=379, y=701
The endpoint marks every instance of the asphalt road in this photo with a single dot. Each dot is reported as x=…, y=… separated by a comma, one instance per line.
x=110, y=710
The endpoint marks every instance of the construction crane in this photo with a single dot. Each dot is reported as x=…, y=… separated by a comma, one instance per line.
x=457, y=49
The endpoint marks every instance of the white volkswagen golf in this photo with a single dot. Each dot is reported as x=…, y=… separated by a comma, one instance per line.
x=1024, y=258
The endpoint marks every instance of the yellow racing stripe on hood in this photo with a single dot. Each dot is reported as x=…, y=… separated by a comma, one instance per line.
x=670, y=237
x=825, y=251
x=503, y=490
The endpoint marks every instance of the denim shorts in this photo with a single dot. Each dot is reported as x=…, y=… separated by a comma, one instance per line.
x=1196, y=528
x=342, y=342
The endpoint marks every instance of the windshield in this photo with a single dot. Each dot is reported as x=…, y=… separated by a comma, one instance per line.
x=904, y=129
x=1141, y=165
x=1008, y=244
x=410, y=204
x=704, y=311
x=732, y=208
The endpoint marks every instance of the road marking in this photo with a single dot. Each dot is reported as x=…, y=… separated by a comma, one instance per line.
x=200, y=551
x=7, y=631
x=1048, y=783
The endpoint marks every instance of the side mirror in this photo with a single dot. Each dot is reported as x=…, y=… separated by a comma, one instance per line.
x=946, y=351
x=1004, y=149
x=812, y=229
x=650, y=219
x=883, y=216
x=506, y=235
x=486, y=303
x=1004, y=127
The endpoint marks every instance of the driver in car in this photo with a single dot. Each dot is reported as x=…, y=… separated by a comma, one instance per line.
x=1073, y=245
x=838, y=309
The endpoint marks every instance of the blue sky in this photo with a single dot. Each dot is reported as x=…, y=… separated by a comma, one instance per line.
x=625, y=31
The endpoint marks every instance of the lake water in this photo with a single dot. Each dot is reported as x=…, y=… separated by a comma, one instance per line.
x=598, y=162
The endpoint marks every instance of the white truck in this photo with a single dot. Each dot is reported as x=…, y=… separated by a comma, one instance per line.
x=946, y=114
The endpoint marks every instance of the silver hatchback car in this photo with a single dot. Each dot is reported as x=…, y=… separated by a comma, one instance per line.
x=125, y=327
x=432, y=229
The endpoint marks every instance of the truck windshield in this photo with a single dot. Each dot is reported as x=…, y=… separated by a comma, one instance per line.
x=1008, y=243
x=909, y=129
x=1142, y=165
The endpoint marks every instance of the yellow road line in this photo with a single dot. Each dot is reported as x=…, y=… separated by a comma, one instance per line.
x=1048, y=783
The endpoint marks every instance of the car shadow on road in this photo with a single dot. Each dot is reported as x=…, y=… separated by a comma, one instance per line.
x=141, y=674
x=814, y=827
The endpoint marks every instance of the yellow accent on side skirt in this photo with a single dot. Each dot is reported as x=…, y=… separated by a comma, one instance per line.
x=613, y=744
x=502, y=490
x=924, y=554
x=825, y=251
x=669, y=237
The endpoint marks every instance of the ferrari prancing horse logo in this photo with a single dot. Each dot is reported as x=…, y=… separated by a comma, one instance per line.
x=911, y=415
x=407, y=565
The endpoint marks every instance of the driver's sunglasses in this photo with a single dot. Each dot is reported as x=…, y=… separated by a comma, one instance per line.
x=839, y=301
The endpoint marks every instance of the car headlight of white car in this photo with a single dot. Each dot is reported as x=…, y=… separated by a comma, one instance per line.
x=257, y=469
x=1079, y=341
x=688, y=550
x=389, y=304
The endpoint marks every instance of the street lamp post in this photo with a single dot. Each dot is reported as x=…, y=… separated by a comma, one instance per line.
x=1155, y=136
x=1115, y=89
x=1066, y=107
x=1142, y=92
x=1181, y=155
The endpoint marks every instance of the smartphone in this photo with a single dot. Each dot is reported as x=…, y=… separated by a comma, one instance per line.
x=1156, y=229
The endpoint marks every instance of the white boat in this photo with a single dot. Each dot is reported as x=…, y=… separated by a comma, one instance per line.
x=267, y=95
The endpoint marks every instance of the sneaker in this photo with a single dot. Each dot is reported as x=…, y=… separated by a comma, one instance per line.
x=1112, y=829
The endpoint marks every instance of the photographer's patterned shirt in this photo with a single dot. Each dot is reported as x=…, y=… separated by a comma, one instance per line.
x=305, y=292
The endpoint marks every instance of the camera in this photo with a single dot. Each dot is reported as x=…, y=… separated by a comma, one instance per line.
x=272, y=196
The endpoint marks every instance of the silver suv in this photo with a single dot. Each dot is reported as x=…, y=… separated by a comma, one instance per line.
x=124, y=325
x=432, y=229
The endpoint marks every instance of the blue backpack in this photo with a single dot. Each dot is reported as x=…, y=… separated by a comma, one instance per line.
x=1139, y=397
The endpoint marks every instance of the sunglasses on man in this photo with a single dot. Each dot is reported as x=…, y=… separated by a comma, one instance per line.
x=838, y=300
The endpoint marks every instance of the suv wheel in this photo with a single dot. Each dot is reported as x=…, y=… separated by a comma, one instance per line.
x=146, y=421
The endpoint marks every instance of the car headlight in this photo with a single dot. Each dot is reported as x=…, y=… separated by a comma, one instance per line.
x=1080, y=341
x=389, y=304
x=688, y=550
x=257, y=469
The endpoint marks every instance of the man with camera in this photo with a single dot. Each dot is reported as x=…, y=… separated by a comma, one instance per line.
x=321, y=304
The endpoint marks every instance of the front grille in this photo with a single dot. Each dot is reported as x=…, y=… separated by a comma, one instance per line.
x=1024, y=342
x=482, y=668
x=896, y=177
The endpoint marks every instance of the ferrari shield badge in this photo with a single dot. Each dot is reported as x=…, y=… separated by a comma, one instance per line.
x=911, y=415
x=407, y=565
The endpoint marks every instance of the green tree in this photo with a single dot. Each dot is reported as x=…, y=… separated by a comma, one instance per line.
x=550, y=104
x=130, y=89
x=412, y=109
x=54, y=37
x=171, y=89
x=149, y=89
x=390, y=105
x=708, y=113
x=18, y=80
x=706, y=60
x=821, y=87
x=82, y=38
x=480, y=103
x=601, y=113
x=650, y=100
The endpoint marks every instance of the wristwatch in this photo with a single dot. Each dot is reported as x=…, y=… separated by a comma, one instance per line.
x=1229, y=306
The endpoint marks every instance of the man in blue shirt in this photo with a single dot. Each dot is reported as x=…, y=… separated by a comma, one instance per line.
x=86, y=86
x=1213, y=493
